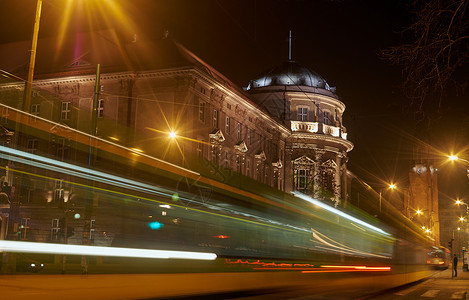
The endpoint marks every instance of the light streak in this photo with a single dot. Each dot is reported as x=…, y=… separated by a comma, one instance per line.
x=338, y=212
x=48, y=248
x=357, y=267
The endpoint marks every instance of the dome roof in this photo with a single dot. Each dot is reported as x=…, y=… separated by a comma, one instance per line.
x=290, y=73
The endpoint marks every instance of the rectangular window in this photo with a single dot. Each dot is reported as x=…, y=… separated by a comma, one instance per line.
x=35, y=109
x=327, y=119
x=62, y=149
x=239, y=131
x=32, y=146
x=302, y=179
x=24, y=228
x=92, y=230
x=248, y=167
x=55, y=229
x=65, y=111
x=249, y=137
x=202, y=111
x=100, y=108
x=200, y=149
x=59, y=190
x=227, y=162
x=227, y=125
x=215, y=118
x=302, y=114
x=228, y=105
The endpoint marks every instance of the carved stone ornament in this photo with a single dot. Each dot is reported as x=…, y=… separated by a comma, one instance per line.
x=260, y=155
x=277, y=165
x=216, y=136
x=241, y=146
x=329, y=164
x=303, y=160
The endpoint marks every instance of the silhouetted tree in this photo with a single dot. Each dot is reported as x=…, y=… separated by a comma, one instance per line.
x=439, y=48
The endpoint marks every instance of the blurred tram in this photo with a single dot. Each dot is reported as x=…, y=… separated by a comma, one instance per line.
x=247, y=226
x=439, y=258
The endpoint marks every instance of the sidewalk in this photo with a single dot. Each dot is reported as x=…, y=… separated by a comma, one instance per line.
x=446, y=274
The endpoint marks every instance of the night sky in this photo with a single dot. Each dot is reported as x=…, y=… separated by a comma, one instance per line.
x=340, y=40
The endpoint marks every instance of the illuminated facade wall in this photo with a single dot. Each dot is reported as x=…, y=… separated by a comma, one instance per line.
x=316, y=152
x=289, y=137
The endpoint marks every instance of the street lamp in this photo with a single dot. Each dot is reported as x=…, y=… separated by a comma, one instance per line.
x=391, y=186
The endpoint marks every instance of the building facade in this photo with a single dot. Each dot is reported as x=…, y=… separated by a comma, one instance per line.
x=284, y=130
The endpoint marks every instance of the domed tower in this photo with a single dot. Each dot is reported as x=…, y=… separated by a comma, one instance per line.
x=316, y=151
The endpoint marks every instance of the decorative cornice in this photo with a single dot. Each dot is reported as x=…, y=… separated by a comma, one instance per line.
x=322, y=137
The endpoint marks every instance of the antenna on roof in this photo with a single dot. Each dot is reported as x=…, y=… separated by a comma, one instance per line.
x=289, y=46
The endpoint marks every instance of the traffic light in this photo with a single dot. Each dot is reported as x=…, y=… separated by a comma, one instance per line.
x=450, y=244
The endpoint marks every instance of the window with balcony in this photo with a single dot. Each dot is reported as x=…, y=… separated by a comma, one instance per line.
x=302, y=114
x=327, y=118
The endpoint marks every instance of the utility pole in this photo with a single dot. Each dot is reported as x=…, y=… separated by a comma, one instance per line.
x=91, y=160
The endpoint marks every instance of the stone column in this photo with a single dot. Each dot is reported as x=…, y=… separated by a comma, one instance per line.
x=317, y=176
x=288, y=169
x=337, y=178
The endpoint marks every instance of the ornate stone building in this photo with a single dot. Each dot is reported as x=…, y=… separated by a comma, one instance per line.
x=284, y=130
x=316, y=148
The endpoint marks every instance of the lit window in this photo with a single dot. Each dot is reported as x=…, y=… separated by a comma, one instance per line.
x=239, y=131
x=248, y=167
x=59, y=190
x=227, y=125
x=202, y=111
x=302, y=114
x=249, y=136
x=100, y=108
x=65, y=111
x=302, y=179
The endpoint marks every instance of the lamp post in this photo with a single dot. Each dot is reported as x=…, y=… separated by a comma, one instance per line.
x=32, y=59
x=391, y=186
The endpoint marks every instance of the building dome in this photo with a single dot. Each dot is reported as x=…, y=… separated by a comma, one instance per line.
x=290, y=73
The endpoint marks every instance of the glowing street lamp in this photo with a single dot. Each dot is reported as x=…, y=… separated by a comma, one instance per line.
x=453, y=157
x=419, y=212
x=172, y=134
x=392, y=186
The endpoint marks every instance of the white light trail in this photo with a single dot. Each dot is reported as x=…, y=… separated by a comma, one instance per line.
x=48, y=248
x=338, y=212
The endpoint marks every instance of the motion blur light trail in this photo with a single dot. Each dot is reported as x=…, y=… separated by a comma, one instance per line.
x=48, y=248
x=338, y=212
